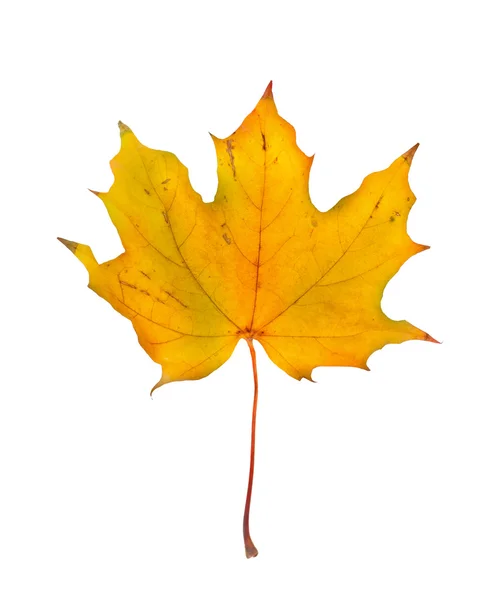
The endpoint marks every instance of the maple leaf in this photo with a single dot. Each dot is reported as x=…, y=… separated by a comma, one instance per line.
x=259, y=263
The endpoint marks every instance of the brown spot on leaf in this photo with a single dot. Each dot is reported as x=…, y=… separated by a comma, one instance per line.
x=378, y=202
x=227, y=239
x=172, y=297
x=147, y=192
x=230, y=147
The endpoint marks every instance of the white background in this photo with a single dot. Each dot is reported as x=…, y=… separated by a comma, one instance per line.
x=368, y=485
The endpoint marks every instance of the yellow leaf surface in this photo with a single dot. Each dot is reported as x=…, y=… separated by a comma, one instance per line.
x=260, y=262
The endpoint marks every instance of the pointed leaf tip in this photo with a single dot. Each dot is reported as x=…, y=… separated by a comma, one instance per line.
x=69, y=245
x=429, y=338
x=123, y=128
x=268, y=92
x=408, y=156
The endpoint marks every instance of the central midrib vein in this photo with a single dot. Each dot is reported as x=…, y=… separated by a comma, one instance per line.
x=260, y=227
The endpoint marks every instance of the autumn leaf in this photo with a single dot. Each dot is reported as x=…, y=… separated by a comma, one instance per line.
x=259, y=263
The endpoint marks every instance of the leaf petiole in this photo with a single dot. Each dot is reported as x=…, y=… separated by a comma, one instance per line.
x=249, y=546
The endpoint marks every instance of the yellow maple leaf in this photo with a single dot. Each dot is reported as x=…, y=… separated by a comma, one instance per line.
x=260, y=262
